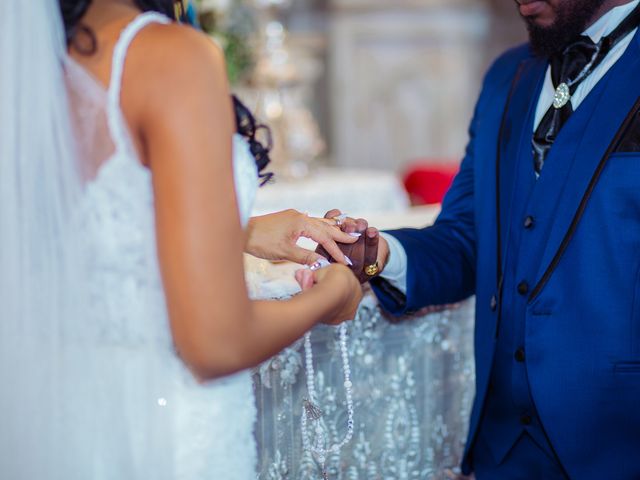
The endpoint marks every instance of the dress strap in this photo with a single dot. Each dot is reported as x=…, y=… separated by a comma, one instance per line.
x=117, y=68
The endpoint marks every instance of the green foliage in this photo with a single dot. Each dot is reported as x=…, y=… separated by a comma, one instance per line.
x=233, y=33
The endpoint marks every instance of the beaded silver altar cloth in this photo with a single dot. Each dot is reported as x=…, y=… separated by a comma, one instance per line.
x=413, y=385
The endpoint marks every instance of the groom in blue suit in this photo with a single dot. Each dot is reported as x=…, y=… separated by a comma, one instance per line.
x=542, y=224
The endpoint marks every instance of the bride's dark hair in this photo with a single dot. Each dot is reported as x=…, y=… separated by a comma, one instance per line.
x=73, y=10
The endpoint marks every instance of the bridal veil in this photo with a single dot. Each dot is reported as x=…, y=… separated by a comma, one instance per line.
x=64, y=401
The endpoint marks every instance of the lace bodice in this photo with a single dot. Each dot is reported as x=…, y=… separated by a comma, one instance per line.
x=211, y=424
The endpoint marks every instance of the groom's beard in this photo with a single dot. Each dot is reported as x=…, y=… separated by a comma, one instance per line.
x=572, y=18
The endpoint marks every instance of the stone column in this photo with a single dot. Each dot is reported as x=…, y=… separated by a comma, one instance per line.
x=404, y=78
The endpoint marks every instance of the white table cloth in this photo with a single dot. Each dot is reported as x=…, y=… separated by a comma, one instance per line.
x=413, y=381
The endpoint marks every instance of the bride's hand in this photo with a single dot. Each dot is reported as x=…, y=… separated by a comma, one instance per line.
x=369, y=254
x=342, y=289
x=274, y=237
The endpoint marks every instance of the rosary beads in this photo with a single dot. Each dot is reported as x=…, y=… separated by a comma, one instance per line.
x=311, y=412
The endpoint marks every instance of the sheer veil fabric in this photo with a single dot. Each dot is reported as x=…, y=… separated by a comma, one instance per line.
x=55, y=386
x=39, y=184
x=90, y=384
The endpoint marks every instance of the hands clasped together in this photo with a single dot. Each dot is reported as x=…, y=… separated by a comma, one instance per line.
x=349, y=252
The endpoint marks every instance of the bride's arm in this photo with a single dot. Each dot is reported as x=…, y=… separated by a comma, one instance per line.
x=183, y=117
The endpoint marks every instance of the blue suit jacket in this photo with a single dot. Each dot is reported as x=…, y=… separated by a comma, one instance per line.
x=580, y=259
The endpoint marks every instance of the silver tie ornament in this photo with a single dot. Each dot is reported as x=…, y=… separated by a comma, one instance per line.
x=561, y=96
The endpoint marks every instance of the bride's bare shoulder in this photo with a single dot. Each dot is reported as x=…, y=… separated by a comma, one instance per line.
x=170, y=52
x=168, y=65
x=171, y=69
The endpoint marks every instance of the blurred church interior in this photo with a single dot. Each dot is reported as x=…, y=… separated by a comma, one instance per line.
x=371, y=85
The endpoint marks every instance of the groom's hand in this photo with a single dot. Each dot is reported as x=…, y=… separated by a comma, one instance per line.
x=369, y=254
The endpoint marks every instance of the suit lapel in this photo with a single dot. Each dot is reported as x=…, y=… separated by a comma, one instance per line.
x=574, y=160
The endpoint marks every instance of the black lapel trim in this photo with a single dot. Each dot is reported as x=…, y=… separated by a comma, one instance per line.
x=585, y=199
x=499, y=271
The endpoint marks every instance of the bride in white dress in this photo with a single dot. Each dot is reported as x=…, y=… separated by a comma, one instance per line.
x=126, y=328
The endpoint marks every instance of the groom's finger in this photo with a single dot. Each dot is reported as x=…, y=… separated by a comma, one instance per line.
x=332, y=213
x=361, y=225
x=372, y=237
x=335, y=218
x=349, y=225
x=344, y=223
x=357, y=257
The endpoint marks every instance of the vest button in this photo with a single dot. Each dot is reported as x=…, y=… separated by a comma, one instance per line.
x=525, y=420
x=493, y=303
x=519, y=355
x=523, y=288
x=528, y=222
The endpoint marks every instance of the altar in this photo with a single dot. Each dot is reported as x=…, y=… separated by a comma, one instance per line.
x=413, y=379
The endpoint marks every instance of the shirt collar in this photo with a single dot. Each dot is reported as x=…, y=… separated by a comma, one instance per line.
x=609, y=21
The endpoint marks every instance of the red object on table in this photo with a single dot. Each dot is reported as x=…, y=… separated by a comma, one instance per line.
x=427, y=182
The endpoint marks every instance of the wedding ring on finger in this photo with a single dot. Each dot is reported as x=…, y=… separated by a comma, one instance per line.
x=371, y=270
x=339, y=219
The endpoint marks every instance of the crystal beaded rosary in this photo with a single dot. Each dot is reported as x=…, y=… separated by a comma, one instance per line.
x=311, y=412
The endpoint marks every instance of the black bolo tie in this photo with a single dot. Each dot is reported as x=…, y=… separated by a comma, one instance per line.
x=568, y=69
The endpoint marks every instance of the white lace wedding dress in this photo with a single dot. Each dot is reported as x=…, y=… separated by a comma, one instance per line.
x=145, y=417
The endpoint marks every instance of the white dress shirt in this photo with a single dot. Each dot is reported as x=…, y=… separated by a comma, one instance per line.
x=395, y=272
